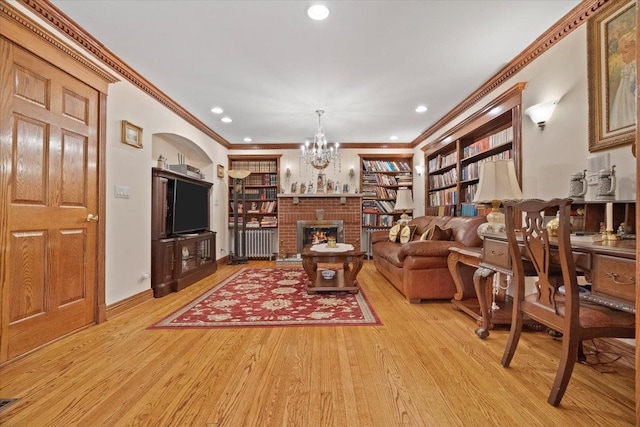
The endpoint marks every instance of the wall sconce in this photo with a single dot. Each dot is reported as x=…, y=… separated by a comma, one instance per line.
x=352, y=173
x=419, y=169
x=287, y=174
x=540, y=113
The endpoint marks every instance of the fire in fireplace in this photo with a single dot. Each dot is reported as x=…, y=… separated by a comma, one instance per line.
x=318, y=231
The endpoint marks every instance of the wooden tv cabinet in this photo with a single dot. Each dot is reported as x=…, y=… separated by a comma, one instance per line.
x=177, y=261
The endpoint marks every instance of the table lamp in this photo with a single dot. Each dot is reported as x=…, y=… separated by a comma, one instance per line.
x=404, y=203
x=497, y=182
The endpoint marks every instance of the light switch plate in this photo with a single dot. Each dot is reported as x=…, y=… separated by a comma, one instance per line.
x=122, y=191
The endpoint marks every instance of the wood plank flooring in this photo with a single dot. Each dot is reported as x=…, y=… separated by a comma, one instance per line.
x=423, y=367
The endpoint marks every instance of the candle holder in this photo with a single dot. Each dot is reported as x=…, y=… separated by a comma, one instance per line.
x=609, y=236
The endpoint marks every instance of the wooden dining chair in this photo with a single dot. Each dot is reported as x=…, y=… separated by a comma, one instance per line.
x=575, y=319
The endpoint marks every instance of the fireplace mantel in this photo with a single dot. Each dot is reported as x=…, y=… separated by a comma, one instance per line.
x=342, y=196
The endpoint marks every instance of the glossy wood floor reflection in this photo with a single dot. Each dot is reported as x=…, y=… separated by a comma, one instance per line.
x=423, y=367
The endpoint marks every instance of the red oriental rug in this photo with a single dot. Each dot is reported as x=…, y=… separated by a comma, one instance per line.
x=271, y=297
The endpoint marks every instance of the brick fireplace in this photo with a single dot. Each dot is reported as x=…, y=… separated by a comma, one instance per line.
x=295, y=207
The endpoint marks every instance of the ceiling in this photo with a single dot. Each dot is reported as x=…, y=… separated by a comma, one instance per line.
x=368, y=65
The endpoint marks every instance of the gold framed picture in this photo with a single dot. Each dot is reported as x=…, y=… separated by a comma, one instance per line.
x=220, y=171
x=611, y=49
x=131, y=134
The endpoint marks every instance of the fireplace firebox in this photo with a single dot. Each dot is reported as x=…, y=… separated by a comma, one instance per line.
x=318, y=231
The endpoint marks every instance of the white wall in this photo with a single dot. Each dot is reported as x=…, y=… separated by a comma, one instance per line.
x=128, y=227
x=551, y=155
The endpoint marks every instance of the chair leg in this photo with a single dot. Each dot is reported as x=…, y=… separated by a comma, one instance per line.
x=514, y=337
x=568, y=359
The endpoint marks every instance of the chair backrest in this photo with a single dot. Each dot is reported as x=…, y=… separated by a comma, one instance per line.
x=533, y=241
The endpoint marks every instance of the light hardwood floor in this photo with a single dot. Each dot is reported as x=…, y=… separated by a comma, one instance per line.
x=423, y=367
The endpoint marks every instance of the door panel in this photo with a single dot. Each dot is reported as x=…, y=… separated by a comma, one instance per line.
x=48, y=146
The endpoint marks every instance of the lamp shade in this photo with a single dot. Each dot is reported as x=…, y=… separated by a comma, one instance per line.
x=239, y=173
x=498, y=181
x=404, y=201
x=540, y=113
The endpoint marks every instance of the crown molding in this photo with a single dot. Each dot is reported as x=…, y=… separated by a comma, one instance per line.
x=343, y=145
x=58, y=20
x=16, y=17
x=572, y=20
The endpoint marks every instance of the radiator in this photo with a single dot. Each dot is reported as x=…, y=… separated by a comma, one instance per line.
x=259, y=243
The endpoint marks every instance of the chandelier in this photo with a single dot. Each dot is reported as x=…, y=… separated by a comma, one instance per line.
x=319, y=155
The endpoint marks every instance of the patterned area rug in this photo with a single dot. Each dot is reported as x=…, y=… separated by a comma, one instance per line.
x=271, y=297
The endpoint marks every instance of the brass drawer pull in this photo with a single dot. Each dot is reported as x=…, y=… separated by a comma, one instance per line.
x=494, y=252
x=614, y=277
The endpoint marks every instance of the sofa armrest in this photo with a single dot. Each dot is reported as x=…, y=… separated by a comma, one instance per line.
x=427, y=248
x=379, y=236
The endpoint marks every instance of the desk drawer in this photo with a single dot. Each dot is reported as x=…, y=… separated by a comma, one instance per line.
x=496, y=253
x=614, y=277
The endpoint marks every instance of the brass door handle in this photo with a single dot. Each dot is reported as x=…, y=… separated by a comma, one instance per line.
x=92, y=217
x=614, y=277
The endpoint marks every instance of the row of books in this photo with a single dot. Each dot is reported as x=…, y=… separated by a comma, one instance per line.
x=375, y=220
x=472, y=171
x=500, y=138
x=470, y=192
x=379, y=179
x=267, y=179
x=260, y=193
x=378, y=206
x=442, y=160
x=385, y=166
x=264, y=222
x=445, y=210
x=442, y=180
x=443, y=197
x=262, y=207
x=255, y=165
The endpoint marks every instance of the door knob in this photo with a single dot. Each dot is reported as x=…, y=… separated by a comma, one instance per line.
x=92, y=217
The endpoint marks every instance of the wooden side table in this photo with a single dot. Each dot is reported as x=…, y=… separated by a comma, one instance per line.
x=475, y=304
x=344, y=279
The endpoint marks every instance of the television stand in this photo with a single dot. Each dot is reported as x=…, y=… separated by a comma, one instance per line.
x=180, y=261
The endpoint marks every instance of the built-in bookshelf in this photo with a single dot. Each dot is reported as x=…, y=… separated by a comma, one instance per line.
x=260, y=191
x=380, y=178
x=453, y=162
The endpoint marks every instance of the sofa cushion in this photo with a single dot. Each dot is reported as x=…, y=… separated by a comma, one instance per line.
x=394, y=232
x=437, y=233
x=407, y=232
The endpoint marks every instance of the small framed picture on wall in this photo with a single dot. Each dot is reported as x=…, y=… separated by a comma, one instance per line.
x=220, y=171
x=131, y=134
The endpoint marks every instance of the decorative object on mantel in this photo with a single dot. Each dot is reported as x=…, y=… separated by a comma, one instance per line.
x=319, y=155
x=497, y=182
x=239, y=245
x=578, y=186
x=606, y=184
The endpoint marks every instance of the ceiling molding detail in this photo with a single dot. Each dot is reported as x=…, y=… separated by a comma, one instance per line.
x=20, y=19
x=578, y=16
x=57, y=19
x=343, y=145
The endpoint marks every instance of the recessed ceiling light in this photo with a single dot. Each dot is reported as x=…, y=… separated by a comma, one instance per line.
x=247, y=139
x=216, y=110
x=421, y=108
x=226, y=119
x=393, y=137
x=318, y=12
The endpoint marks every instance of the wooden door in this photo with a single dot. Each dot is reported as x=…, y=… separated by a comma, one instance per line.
x=48, y=190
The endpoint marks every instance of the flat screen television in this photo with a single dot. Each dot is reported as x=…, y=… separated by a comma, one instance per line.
x=190, y=207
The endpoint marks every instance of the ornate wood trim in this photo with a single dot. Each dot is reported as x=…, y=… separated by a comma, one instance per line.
x=578, y=16
x=48, y=12
x=24, y=22
x=343, y=145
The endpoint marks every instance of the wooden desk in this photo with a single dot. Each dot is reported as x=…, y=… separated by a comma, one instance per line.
x=608, y=266
x=345, y=278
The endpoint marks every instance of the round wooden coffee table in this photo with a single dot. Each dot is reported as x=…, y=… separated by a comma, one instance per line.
x=345, y=277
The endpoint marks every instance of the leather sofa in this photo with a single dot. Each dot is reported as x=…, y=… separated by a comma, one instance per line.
x=418, y=268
